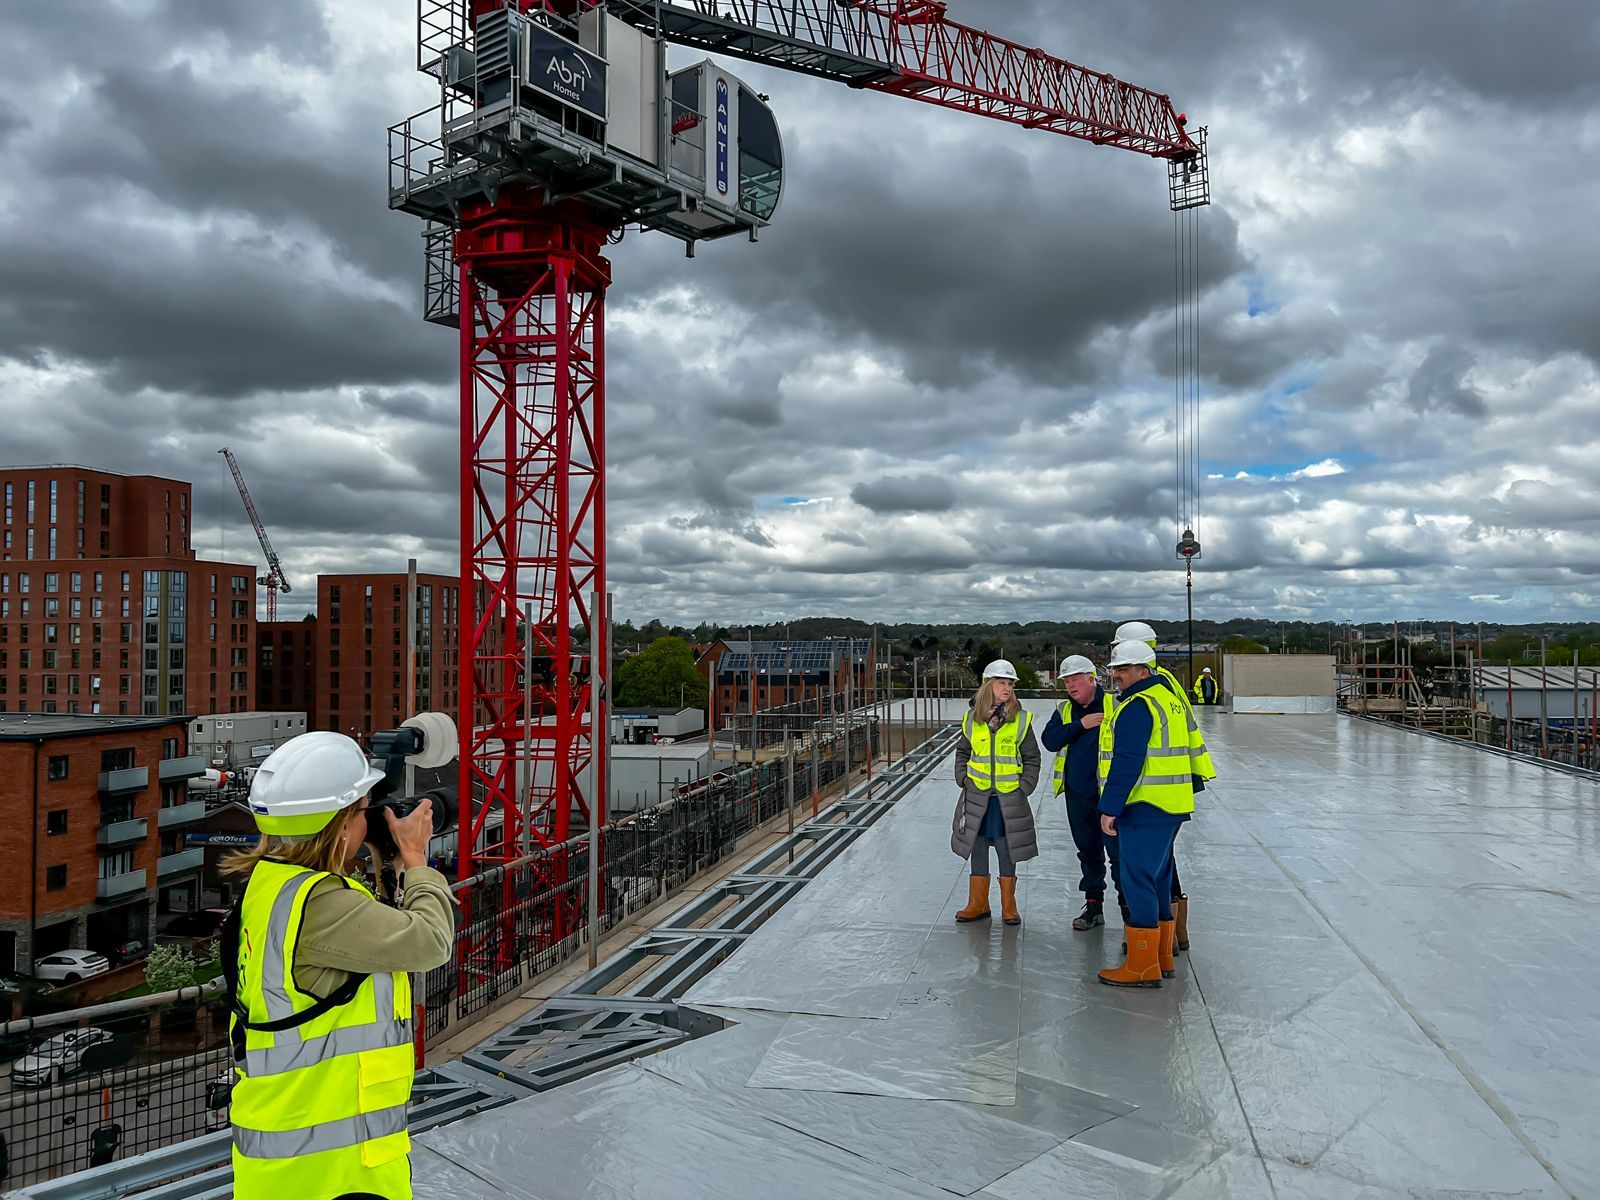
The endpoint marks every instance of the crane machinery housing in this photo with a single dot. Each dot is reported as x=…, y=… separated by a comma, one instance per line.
x=559, y=127
x=275, y=581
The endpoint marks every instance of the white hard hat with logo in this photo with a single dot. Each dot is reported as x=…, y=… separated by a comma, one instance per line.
x=1205, y=670
x=1134, y=631
x=305, y=782
x=1075, y=664
x=1000, y=669
x=1133, y=654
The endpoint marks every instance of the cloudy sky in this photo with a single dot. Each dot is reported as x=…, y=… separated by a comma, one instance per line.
x=940, y=387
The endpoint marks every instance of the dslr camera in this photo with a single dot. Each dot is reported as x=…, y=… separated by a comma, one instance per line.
x=427, y=741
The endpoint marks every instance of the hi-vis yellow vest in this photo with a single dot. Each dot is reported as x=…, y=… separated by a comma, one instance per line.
x=996, y=759
x=1058, y=779
x=1199, y=756
x=319, y=1106
x=1166, y=779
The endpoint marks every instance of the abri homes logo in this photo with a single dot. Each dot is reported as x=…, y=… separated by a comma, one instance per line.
x=570, y=79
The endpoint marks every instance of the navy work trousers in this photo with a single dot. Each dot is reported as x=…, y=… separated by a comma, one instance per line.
x=1146, y=871
x=1094, y=848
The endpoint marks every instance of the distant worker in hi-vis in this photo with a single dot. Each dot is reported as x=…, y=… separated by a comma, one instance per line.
x=997, y=768
x=1073, y=734
x=1200, y=757
x=1205, y=688
x=317, y=976
x=1147, y=790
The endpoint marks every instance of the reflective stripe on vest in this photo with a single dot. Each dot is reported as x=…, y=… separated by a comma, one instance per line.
x=996, y=759
x=1165, y=779
x=1058, y=776
x=1199, y=756
x=336, y=1085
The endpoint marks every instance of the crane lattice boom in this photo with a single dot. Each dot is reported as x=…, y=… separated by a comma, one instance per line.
x=911, y=48
x=276, y=581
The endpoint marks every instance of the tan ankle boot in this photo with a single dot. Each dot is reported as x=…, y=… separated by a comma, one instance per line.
x=1180, y=914
x=977, y=908
x=1143, y=966
x=1008, y=900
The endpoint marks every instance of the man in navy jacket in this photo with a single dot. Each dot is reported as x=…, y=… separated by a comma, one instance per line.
x=1073, y=734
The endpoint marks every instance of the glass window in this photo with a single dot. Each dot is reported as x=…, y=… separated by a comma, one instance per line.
x=59, y=764
x=52, y=582
x=76, y=579
x=55, y=878
x=55, y=823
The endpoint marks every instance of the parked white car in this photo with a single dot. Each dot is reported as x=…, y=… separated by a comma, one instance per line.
x=69, y=966
x=49, y=1062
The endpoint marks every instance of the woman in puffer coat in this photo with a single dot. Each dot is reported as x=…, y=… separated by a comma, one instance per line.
x=997, y=767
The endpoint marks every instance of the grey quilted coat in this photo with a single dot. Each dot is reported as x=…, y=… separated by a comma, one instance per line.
x=1021, y=838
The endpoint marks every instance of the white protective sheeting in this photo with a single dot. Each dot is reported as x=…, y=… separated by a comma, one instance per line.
x=1285, y=705
x=1390, y=993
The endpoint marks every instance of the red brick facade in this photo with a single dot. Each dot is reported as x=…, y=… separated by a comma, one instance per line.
x=95, y=809
x=104, y=609
x=286, y=668
x=361, y=652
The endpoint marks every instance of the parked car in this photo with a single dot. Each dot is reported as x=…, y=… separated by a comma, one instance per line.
x=52, y=1060
x=200, y=924
x=69, y=966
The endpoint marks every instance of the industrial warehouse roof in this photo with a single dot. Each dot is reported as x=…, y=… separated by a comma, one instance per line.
x=1538, y=678
x=1386, y=997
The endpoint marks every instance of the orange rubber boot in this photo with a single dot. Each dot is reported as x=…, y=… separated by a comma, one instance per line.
x=1169, y=964
x=977, y=908
x=1143, y=965
x=1008, y=900
x=1180, y=914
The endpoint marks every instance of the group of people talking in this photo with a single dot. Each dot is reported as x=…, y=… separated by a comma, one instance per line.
x=1128, y=763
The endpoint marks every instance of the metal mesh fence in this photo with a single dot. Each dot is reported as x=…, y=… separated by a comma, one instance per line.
x=113, y=1087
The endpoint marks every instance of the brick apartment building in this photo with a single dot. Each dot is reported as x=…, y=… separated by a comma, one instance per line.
x=360, y=650
x=286, y=668
x=785, y=673
x=96, y=809
x=104, y=608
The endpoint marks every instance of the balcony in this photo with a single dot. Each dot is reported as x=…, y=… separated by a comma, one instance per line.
x=188, y=767
x=131, y=779
x=128, y=884
x=121, y=833
x=181, y=814
x=183, y=860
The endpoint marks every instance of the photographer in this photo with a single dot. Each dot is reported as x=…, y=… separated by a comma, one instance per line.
x=317, y=970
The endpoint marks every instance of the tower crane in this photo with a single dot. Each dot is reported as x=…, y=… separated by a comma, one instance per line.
x=276, y=581
x=559, y=127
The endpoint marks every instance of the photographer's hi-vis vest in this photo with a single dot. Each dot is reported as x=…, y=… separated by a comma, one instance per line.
x=1166, y=779
x=996, y=759
x=319, y=1106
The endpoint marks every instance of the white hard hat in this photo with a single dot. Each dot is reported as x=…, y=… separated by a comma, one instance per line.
x=1076, y=664
x=304, y=782
x=1133, y=654
x=1000, y=669
x=1134, y=631
x=1205, y=670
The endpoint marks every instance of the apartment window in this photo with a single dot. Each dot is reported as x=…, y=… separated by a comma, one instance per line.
x=169, y=748
x=112, y=865
x=105, y=539
x=52, y=582
x=120, y=759
x=127, y=632
x=99, y=581
x=76, y=580
x=30, y=544
x=55, y=822
x=126, y=581
x=49, y=660
x=213, y=583
x=53, y=486
x=57, y=766
x=127, y=607
x=30, y=501
x=52, y=542
x=55, y=878
x=50, y=635
x=95, y=607
x=75, y=608
x=183, y=501
x=52, y=607
x=81, y=490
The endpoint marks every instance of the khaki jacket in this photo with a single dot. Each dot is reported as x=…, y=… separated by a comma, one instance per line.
x=344, y=932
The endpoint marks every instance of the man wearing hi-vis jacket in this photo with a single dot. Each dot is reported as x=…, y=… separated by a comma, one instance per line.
x=1147, y=789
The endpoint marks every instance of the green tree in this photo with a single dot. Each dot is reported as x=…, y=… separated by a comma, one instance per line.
x=1239, y=644
x=658, y=676
x=168, y=968
x=1027, y=677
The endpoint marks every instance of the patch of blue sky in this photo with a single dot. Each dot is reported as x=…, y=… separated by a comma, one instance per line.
x=774, y=502
x=1257, y=302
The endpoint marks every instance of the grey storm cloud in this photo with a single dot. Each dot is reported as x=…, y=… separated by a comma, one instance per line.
x=941, y=385
x=906, y=494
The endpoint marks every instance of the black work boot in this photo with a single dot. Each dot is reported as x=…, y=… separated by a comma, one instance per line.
x=1093, y=914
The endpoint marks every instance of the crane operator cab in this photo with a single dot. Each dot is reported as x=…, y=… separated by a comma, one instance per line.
x=587, y=108
x=724, y=141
